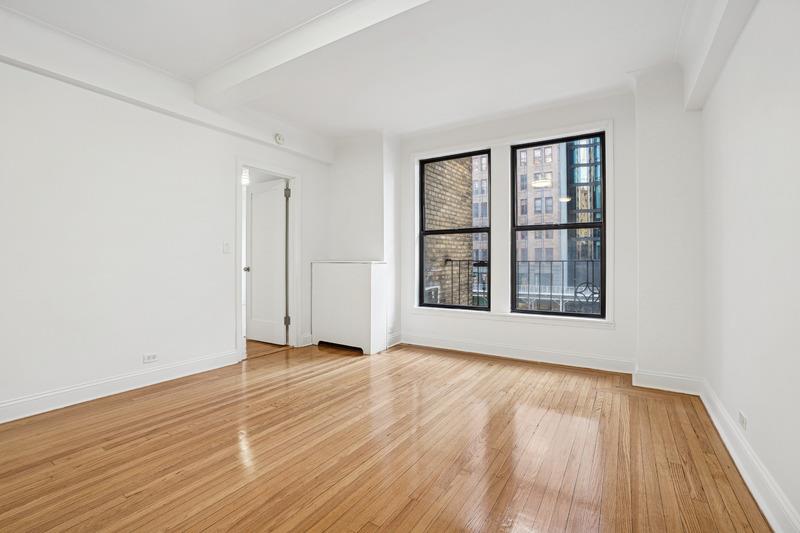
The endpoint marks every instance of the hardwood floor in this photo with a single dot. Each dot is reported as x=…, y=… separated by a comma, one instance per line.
x=257, y=348
x=414, y=439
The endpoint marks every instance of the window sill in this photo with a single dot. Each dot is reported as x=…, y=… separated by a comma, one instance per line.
x=519, y=318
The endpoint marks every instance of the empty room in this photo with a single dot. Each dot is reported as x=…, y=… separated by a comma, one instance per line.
x=399, y=265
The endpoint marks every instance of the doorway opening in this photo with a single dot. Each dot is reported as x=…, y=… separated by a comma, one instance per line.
x=265, y=244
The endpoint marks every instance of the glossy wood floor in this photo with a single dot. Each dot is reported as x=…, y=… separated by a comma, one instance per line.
x=257, y=349
x=414, y=439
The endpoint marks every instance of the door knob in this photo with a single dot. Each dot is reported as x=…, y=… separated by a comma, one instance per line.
x=246, y=269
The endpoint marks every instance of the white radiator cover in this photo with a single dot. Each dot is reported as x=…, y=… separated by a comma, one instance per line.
x=348, y=304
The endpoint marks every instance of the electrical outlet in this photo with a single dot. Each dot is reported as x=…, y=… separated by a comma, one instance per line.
x=149, y=358
x=742, y=421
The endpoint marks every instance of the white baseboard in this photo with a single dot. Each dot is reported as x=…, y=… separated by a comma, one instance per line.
x=525, y=353
x=47, y=401
x=305, y=340
x=777, y=508
x=393, y=339
x=668, y=382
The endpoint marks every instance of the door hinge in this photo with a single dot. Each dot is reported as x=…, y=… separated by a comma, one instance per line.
x=287, y=192
x=287, y=320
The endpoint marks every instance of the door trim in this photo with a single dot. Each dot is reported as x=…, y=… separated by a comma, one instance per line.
x=295, y=270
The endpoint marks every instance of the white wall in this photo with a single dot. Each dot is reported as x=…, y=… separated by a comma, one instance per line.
x=606, y=344
x=26, y=43
x=112, y=219
x=391, y=235
x=752, y=194
x=356, y=199
x=669, y=203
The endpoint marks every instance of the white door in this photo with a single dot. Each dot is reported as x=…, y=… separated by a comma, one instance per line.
x=266, y=259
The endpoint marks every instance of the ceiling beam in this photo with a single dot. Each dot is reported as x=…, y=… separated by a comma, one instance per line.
x=236, y=81
x=709, y=34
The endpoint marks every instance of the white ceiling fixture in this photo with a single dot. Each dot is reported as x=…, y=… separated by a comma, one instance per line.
x=185, y=38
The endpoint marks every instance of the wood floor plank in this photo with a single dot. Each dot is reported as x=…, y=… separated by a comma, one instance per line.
x=413, y=439
x=754, y=515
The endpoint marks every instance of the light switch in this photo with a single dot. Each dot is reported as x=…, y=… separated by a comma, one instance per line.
x=226, y=247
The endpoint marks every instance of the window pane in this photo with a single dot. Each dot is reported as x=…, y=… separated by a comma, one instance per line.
x=455, y=269
x=456, y=192
x=570, y=174
x=562, y=274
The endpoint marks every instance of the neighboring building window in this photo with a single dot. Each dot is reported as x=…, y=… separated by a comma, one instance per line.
x=523, y=206
x=537, y=156
x=523, y=182
x=523, y=158
x=454, y=231
x=567, y=276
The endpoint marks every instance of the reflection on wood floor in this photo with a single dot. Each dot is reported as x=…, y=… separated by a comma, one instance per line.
x=413, y=439
x=257, y=348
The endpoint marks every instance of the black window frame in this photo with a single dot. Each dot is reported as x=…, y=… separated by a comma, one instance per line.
x=454, y=231
x=601, y=225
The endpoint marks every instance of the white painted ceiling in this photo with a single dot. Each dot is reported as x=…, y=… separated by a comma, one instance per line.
x=455, y=60
x=186, y=38
x=444, y=62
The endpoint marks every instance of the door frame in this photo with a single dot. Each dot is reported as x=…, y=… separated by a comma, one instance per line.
x=294, y=266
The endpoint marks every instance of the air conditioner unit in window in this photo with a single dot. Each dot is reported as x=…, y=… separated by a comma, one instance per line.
x=432, y=294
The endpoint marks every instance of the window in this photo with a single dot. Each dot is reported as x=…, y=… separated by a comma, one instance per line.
x=523, y=158
x=523, y=182
x=454, y=231
x=542, y=180
x=566, y=231
x=537, y=156
x=523, y=206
